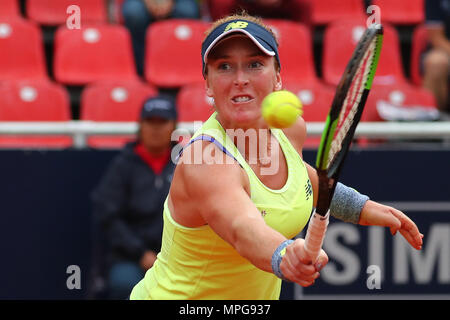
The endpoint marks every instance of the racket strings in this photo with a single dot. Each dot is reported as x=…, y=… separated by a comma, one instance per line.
x=351, y=102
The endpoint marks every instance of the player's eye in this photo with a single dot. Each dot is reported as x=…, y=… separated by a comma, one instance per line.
x=224, y=66
x=255, y=65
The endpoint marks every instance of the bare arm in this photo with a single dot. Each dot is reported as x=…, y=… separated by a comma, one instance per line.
x=437, y=38
x=376, y=214
x=218, y=195
x=373, y=213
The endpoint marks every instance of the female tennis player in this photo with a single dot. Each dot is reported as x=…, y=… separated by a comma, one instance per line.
x=228, y=219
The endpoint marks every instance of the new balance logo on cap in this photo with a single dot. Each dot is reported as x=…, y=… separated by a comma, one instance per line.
x=236, y=25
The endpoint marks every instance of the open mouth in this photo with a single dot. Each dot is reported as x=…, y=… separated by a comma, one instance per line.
x=242, y=99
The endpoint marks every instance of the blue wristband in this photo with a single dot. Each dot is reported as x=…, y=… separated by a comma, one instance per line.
x=347, y=203
x=278, y=256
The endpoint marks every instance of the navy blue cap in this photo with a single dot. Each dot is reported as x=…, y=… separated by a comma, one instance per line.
x=162, y=106
x=262, y=38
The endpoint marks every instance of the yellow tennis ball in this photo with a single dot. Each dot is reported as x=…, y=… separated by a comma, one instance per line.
x=281, y=109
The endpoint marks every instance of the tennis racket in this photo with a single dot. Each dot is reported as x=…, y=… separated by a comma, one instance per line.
x=345, y=113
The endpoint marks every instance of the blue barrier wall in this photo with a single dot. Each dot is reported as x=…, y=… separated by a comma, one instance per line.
x=46, y=224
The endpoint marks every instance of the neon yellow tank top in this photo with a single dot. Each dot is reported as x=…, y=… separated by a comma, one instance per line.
x=195, y=263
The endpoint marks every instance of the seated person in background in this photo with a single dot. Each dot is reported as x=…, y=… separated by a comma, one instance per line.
x=139, y=14
x=296, y=10
x=128, y=202
x=436, y=59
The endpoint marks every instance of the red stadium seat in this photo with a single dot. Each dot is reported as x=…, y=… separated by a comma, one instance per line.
x=326, y=11
x=113, y=101
x=295, y=49
x=316, y=100
x=34, y=101
x=55, y=12
x=400, y=95
x=21, y=50
x=340, y=39
x=173, y=52
x=193, y=104
x=398, y=102
x=401, y=11
x=419, y=43
x=9, y=9
x=93, y=53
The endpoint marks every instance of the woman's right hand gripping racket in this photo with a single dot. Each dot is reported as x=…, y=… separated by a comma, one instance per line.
x=345, y=113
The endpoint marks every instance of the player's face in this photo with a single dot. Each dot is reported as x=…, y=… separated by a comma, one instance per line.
x=239, y=76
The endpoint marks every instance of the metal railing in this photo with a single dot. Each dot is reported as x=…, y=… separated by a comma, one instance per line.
x=81, y=130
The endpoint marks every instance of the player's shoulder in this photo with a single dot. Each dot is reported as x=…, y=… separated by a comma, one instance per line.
x=296, y=133
x=201, y=177
x=204, y=153
x=202, y=162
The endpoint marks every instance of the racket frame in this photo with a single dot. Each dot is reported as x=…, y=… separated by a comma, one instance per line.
x=328, y=177
x=328, y=173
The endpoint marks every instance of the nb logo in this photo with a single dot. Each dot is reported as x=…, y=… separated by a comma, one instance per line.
x=308, y=189
x=236, y=25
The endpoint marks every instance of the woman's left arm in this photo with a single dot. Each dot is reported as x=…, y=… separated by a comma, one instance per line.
x=372, y=213
x=377, y=214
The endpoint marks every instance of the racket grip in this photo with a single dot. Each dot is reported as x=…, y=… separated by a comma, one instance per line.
x=315, y=234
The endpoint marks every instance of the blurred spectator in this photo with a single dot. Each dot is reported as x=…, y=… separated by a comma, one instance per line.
x=128, y=202
x=436, y=59
x=296, y=10
x=139, y=14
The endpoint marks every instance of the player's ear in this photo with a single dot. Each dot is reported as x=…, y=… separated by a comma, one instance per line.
x=209, y=91
x=278, y=83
